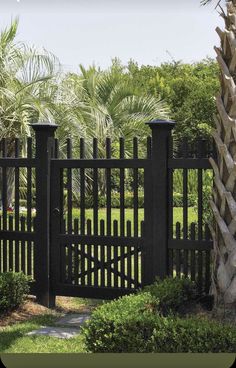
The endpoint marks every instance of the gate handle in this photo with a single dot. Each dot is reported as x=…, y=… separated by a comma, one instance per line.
x=56, y=211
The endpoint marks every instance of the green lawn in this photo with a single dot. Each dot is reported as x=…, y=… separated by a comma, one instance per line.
x=115, y=215
x=129, y=216
x=13, y=339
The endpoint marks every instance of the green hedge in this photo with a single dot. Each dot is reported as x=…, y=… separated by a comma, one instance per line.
x=131, y=324
x=115, y=200
x=13, y=289
x=121, y=325
x=173, y=293
x=192, y=335
x=178, y=200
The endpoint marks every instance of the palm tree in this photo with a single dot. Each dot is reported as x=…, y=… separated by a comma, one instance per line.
x=223, y=203
x=26, y=75
x=104, y=104
x=26, y=80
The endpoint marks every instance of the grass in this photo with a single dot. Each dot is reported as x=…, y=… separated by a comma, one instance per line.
x=31, y=316
x=115, y=214
x=129, y=216
x=13, y=339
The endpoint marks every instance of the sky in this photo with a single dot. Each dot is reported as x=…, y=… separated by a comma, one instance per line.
x=95, y=31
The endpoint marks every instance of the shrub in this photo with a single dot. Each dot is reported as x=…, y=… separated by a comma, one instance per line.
x=13, y=288
x=172, y=293
x=178, y=200
x=121, y=325
x=131, y=325
x=115, y=200
x=192, y=335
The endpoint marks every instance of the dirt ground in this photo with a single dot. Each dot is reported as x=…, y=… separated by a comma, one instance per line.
x=30, y=309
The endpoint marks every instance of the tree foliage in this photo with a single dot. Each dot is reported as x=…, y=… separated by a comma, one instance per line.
x=189, y=90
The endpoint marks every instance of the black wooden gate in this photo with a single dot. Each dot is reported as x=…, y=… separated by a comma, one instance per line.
x=95, y=258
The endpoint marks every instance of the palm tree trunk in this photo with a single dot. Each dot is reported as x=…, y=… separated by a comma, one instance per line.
x=223, y=203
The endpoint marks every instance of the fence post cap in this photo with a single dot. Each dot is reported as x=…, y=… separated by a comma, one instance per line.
x=163, y=124
x=44, y=126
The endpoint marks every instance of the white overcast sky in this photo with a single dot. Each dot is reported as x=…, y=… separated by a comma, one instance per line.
x=95, y=31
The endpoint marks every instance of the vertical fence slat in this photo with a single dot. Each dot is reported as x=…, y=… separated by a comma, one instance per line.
x=29, y=206
x=63, y=253
x=185, y=208
x=208, y=262
x=89, y=253
x=115, y=252
x=147, y=229
x=178, y=251
x=23, y=228
x=102, y=256
x=95, y=189
x=69, y=187
x=193, y=257
x=149, y=147
x=129, y=255
x=33, y=264
x=200, y=153
x=135, y=187
x=82, y=211
x=4, y=205
x=122, y=189
x=122, y=210
x=11, y=263
x=82, y=190
x=56, y=148
x=108, y=209
x=95, y=210
x=136, y=212
x=69, y=209
x=170, y=211
x=17, y=206
x=76, y=253
x=141, y=275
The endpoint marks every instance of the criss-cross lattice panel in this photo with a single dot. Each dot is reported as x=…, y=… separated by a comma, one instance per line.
x=117, y=266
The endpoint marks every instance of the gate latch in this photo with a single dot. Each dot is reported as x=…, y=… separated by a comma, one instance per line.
x=56, y=211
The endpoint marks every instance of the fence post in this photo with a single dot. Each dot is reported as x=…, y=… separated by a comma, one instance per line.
x=45, y=146
x=161, y=134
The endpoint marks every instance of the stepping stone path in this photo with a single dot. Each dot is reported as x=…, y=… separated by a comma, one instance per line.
x=66, y=327
x=75, y=320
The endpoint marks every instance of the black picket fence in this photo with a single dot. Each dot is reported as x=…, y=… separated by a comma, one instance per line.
x=104, y=251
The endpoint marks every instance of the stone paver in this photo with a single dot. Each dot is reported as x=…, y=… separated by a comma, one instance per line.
x=73, y=320
x=67, y=327
x=59, y=332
